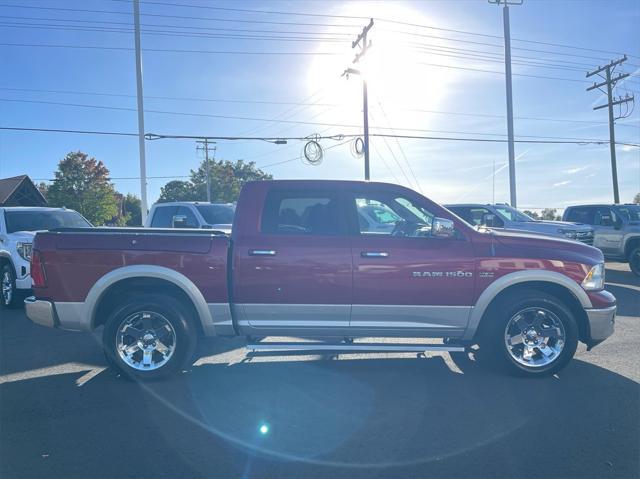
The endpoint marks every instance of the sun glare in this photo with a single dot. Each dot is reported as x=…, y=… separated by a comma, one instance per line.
x=398, y=74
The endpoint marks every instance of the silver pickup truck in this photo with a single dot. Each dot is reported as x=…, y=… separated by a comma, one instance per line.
x=506, y=217
x=617, y=230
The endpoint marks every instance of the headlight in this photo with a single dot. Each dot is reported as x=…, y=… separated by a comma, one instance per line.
x=571, y=234
x=594, y=280
x=24, y=250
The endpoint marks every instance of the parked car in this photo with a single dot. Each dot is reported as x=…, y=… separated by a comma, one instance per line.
x=299, y=265
x=17, y=229
x=617, y=230
x=507, y=217
x=191, y=214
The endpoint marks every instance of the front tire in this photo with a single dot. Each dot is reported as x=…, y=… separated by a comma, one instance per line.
x=634, y=260
x=10, y=297
x=149, y=337
x=530, y=334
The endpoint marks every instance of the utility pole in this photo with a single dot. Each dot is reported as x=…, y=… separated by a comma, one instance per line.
x=141, y=145
x=362, y=38
x=205, y=148
x=610, y=83
x=507, y=71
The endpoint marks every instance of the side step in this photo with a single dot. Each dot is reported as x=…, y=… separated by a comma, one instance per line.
x=356, y=347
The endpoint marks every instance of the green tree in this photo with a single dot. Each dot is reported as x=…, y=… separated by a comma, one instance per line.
x=132, y=208
x=227, y=179
x=550, y=214
x=636, y=199
x=82, y=183
x=178, y=191
x=533, y=214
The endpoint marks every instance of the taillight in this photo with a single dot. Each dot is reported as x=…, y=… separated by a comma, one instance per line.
x=38, y=276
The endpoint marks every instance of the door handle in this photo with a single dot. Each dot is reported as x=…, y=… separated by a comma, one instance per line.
x=374, y=254
x=262, y=252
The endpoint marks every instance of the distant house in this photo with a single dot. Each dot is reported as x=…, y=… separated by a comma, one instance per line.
x=20, y=191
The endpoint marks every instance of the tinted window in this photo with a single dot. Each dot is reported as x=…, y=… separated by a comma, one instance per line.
x=217, y=214
x=581, y=215
x=604, y=217
x=629, y=212
x=43, y=220
x=190, y=218
x=163, y=216
x=303, y=214
x=409, y=218
x=474, y=215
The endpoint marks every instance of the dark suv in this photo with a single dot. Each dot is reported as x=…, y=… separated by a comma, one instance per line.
x=616, y=228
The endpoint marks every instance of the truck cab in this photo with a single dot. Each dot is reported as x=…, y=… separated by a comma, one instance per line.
x=191, y=214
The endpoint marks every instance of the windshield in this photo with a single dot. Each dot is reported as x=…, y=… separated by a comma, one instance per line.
x=629, y=212
x=217, y=214
x=512, y=214
x=43, y=220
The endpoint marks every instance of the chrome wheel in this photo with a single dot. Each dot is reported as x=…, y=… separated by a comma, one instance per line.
x=7, y=288
x=145, y=340
x=534, y=337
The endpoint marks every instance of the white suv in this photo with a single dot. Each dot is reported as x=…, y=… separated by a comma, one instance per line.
x=18, y=226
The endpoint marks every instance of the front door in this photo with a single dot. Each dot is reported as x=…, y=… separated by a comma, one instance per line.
x=405, y=280
x=607, y=233
x=295, y=275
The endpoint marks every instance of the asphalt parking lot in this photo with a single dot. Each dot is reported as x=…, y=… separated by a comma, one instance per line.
x=64, y=415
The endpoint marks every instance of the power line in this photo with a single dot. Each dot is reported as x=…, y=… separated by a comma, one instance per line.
x=296, y=122
x=169, y=50
x=333, y=137
x=304, y=103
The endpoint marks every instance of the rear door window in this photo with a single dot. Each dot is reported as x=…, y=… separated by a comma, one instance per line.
x=296, y=213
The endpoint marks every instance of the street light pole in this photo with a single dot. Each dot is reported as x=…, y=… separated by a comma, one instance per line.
x=509, y=93
x=141, y=145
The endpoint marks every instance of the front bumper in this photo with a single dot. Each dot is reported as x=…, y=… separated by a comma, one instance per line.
x=40, y=312
x=601, y=324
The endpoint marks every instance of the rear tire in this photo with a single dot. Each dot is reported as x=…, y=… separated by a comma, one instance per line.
x=10, y=296
x=149, y=337
x=634, y=260
x=530, y=334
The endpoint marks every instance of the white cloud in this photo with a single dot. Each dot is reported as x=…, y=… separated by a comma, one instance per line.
x=573, y=171
x=562, y=183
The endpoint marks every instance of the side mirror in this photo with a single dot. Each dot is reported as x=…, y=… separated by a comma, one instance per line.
x=179, y=221
x=442, y=228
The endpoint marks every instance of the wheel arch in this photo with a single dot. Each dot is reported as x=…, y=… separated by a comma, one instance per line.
x=98, y=303
x=556, y=284
x=629, y=244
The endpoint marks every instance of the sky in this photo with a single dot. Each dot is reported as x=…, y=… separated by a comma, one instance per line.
x=434, y=70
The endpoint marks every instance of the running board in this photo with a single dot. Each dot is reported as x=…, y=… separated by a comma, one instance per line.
x=356, y=347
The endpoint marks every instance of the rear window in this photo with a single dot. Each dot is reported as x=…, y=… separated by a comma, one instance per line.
x=298, y=213
x=582, y=215
x=163, y=216
x=217, y=214
x=43, y=220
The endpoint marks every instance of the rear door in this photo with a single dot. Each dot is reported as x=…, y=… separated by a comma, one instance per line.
x=295, y=274
x=405, y=280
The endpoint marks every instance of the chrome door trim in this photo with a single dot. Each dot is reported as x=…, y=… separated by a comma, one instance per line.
x=273, y=315
x=262, y=252
x=398, y=316
x=374, y=254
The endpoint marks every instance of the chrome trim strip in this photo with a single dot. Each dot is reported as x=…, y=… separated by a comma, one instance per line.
x=354, y=347
x=392, y=316
x=262, y=252
x=293, y=315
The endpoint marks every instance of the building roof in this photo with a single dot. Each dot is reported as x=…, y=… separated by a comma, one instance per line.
x=20, y=191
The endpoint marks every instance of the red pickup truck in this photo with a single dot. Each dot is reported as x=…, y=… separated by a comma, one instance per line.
x=302, y=262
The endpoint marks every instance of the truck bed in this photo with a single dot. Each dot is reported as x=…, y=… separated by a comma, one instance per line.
x=76, y=258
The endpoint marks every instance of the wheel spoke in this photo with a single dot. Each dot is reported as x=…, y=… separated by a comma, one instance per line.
x=527, y=353
x=147, y=357
x=132, y=332
x=546, y=350
x=131, y=349
x=516, y=339
x=538, y=319
x=146, y=321
x=162, y=348
x=521, y=323
x=549, y=332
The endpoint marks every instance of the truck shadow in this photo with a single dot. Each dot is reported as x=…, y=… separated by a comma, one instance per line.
x=625, y=286
x=389, y=417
